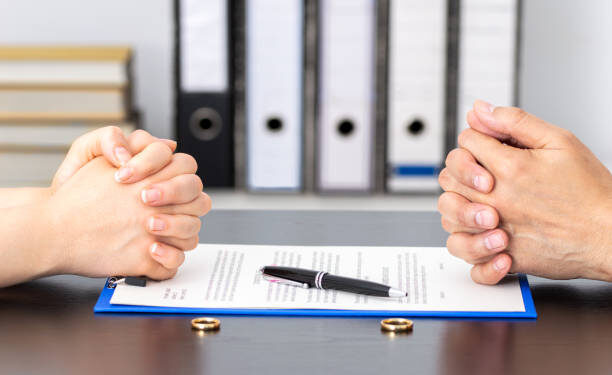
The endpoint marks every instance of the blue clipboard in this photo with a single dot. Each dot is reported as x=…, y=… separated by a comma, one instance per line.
x=104, y=306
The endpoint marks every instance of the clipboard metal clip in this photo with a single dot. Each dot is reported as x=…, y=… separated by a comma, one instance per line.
x=128, y=280
x=278, y=280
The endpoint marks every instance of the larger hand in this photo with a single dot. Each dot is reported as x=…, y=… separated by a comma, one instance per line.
x=553, y=197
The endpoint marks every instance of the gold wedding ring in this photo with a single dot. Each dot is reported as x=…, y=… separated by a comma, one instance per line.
x=205, y=324
x=396, y=325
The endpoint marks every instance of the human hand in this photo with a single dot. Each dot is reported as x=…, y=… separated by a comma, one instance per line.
x=98, y=227
x=137, y=156
x=550, y=194
x=111, y=143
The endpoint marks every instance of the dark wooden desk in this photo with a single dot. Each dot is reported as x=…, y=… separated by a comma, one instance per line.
x=48, y=326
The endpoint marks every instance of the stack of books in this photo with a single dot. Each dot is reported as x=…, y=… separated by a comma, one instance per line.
x=49, y=96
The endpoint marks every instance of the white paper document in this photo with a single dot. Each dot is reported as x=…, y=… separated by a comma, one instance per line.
x=227, y=276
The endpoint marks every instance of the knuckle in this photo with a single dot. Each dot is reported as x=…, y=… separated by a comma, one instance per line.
x=445, y=202
x=192, y=181
x=465, y=216
x=511, y=168
x=139, y=133
x=451, y=245
x=198, y=183
x=190, y=243
x=454, y=156
x=161, y=147
x=514, y=116
x=445, y=180
x=196, y=226
x=567, y=136
x=188, y=161
x=112, y=132
x=205, y=204
x=464, y=137
x=447, y=225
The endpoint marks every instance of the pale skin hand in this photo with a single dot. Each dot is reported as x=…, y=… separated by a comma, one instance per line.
x=93, y=226
x=151, y=155
x=109, y=142
x=549, y=195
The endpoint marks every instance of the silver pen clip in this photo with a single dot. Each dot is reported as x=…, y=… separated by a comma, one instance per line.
x=278, y=280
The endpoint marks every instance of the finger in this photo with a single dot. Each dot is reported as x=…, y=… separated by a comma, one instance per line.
x=179, y=226
x=167, y=256
x=466, y=216
x=449, y=183
x=493, y=271
x=139, y=139
x=477, y=248
x=516, y=126
x=488, y=151
x=474, y=122
x=179, y=164
x=198, y=207
x=108, y=141
x=183, y=244
x=180, y=189
x=466, y=170
x=153, y=158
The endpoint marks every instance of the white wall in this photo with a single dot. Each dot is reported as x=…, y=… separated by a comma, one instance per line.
x=567, y=68
x=566, y=73
x=146, y=25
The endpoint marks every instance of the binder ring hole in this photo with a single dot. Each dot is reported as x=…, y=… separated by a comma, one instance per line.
x=274, y=124
x=205, y=124
x=346, y=127
x=416, y=127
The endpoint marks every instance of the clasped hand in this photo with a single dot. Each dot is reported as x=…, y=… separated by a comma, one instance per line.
x=117, y=206
x=522, y=195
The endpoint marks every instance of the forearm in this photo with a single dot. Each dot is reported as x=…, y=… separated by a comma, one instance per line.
x=14, y=197
x=25, y=250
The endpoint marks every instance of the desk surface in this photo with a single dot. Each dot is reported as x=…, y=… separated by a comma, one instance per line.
x=48, y=326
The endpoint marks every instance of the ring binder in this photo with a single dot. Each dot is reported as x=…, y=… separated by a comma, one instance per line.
x=204, y=108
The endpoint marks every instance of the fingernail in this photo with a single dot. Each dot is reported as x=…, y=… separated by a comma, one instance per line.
x=158, y=250
x=480, y=183
x=122, y=155
x=500, y=264
x=494, y=241
x=123, y=174
x=485, y=219
x=156, y=224
x=484, y=110
x=150, y=195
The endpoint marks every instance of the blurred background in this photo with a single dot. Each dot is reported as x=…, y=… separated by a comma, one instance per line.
x=558, y=56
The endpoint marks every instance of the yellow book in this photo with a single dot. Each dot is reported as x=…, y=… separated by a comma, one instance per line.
x=63, y=104
x=84, y=53
x=64, y=67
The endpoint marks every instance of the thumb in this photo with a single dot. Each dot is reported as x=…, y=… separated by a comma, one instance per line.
x=108, y=141
x=514, y=126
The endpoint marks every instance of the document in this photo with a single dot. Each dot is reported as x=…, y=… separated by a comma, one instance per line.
x=227, y=276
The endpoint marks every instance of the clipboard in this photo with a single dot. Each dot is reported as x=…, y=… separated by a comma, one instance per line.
x=104, y=306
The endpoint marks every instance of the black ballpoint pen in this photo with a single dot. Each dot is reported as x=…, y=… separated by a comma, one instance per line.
x=322, y=280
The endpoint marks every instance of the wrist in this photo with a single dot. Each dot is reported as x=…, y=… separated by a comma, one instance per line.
x=607, y=244
x=601, y=256
x=52, y=246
